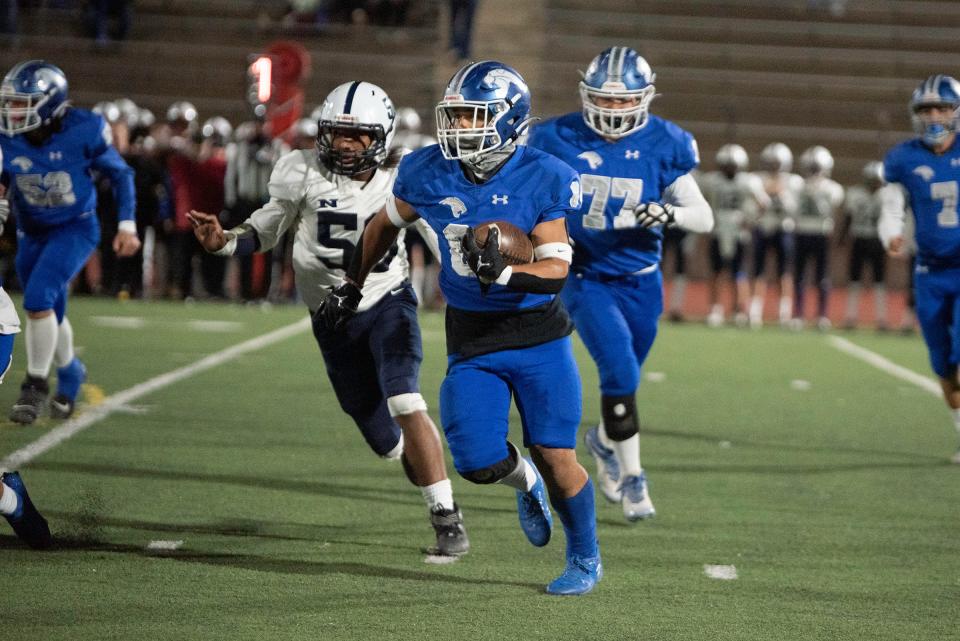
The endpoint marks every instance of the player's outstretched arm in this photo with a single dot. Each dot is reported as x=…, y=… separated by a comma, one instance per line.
x=683, y=205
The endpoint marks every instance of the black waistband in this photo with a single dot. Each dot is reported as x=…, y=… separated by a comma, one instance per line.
x=474, y=333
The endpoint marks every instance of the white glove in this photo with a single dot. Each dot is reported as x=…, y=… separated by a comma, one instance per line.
x=4, y=213
x=654, y=215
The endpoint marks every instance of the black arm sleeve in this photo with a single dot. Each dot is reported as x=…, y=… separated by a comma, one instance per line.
x=247, y=245
x=535, y=284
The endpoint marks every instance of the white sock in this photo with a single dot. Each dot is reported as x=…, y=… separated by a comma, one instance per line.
x=8, y=502
x=41, y=343
x=627, y=452
x=853, y=301
x=880, y=293
x=756, y=307
x=522, y=477
x=439, y=495
x=956, y=420
x=786, y=308
x=63, y=353
x=677, y=293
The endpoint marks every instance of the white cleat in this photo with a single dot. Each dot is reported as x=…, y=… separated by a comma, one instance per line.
x=824, y=324
x=715, y=317
x=636, y=499
x=608, y=468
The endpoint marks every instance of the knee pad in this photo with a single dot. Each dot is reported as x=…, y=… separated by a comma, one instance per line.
x=619, y=416
x=403, y=404
x=492, y=473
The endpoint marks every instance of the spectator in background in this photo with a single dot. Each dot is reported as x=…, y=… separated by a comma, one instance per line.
x=99, y=15
x=861, y=213
x=9, y=10
x=461, y=27
x=250, y=159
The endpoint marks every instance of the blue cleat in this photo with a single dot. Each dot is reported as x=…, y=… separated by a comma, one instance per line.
x=608, y=469
x=579, y=577
x=535, y=518
x=69, y=380
x=26, y=521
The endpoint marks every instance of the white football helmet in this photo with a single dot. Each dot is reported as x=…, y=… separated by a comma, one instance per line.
x=218, y=130
x=776, y=157
x=816, y=161
x=732, y=158
x=357, y=107
x=873, y=173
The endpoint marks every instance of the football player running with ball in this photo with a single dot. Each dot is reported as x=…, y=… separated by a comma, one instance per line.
x=508, y=335
x=327, y=196
x=635, y=171
x=927, y=169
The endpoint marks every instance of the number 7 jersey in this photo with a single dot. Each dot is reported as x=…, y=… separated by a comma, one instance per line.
x=932, y=183
x=328, y=213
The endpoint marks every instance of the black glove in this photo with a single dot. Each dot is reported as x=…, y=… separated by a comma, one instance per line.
x=654, y=215
x=486, y=263
x=338, y=307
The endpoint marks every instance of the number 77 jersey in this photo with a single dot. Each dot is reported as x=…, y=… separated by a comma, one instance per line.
x=932, y=184
x=328, y=213
x=616, y=177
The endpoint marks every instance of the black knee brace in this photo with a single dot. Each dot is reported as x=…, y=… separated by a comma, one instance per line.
x=495, y=472
x=619, y=416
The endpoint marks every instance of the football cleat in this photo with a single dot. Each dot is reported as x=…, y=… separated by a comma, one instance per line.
x=69, y=380
x=535, y=518
x=33, y=395
x=26, y=521
x=608, y=469
x=715, y=317
x=579, y=577
x=451, y=536
x=636, y=500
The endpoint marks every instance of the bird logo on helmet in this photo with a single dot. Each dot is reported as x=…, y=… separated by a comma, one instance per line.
x=490, y=96
x=32, y=94
x=356, y=107
x=617, y=74
x=935, y=91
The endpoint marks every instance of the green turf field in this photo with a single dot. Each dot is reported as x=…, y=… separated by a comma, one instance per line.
x=834, y=501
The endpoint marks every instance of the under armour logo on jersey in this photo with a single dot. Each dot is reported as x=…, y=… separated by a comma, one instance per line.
x=955, y=162
x=500, y=200
x=592, y=158
x=328, y=202
x=631, y=154
x=56, y=155
x=924, y=172
x=457, y=208
x=22, y=162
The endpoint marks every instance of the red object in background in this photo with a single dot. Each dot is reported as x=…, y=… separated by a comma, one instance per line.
x=290, y=66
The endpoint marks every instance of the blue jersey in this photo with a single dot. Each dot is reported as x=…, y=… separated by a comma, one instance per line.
x=933, y=185
x=51, y=185
x=530, y=188
x=616, y=177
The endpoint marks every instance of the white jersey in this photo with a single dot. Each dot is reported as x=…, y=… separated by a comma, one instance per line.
x=736, y=205
x=819, y=201
x=783, y=191
x=863, y=206
x=329, y=213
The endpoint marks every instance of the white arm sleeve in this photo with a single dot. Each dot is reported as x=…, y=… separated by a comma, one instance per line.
x=270, y=222
x=892, y=213
x=690, y=209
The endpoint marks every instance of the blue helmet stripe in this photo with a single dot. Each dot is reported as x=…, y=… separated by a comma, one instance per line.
x=351, y=92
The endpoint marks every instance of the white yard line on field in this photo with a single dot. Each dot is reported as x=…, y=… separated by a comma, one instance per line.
x=885, y=365
x=120, y=400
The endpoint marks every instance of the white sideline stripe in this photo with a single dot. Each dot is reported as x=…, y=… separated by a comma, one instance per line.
x=120, y=400
x=886, y=365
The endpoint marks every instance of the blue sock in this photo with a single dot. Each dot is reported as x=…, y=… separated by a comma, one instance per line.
x=6, y=350
x=579, y=518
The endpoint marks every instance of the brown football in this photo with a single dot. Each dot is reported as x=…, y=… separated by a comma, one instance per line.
x=515, y=246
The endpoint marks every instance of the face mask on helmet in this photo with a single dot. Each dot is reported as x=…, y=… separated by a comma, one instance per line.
x=935, y=109
x=485, y=108
x=32, y=95
x=816, y=161
x=354, y=128
x=616, y=92
x=732, y=159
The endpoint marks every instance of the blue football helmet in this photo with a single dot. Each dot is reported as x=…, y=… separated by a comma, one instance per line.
x=935, y=91
x=500, y=104
x=32, y=94
x=618, y=73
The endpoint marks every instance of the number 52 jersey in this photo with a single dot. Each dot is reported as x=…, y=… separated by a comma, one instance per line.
x=328, y=213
